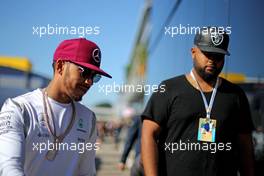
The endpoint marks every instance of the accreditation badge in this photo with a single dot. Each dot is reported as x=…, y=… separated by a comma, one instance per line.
x=206, y=130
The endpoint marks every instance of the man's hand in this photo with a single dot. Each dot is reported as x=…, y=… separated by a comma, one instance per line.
x=246, y=155
x=121, y=166
x=149, y=148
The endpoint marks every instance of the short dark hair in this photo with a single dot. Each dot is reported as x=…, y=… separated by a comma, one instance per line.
x=53, y=66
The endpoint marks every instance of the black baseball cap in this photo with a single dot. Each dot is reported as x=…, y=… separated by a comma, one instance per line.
x=212, y=39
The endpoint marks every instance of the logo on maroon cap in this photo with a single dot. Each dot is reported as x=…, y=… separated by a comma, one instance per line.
x=96, y=55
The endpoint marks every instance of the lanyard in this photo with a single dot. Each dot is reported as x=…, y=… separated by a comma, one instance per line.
x=207, y=107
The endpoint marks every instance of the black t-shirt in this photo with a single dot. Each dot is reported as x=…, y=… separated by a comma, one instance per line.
x=177, y=110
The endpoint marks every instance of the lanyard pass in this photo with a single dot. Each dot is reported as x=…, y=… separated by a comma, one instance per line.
x=207, y=126
x=208, y=108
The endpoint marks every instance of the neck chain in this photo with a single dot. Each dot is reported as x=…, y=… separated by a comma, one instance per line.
x=51, y=154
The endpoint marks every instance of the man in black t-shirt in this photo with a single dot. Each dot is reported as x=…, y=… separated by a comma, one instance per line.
x=200, y=125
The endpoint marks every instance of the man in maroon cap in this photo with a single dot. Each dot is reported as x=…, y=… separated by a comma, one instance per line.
x=47, y=131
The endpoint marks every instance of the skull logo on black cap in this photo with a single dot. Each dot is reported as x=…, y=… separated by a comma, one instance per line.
x=216, y=38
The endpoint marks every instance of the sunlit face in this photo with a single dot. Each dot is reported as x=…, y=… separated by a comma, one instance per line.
x=74, y=83
x=207, y=65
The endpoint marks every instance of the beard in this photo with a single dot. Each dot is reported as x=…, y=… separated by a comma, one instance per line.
x=75, y=94
x=77, y=98
x=71, y=86
x=206, y=75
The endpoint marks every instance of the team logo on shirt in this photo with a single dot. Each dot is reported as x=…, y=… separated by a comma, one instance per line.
x=5, y=123
x=81, y=126
x=80, y=123
x=43, y=131
x=42, y=121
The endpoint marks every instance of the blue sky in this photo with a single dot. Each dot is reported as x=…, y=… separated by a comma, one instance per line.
x=117, y=21
x=173, y=53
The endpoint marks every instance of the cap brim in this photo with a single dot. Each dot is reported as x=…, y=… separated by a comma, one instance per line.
x=213, y=50
x=93, y=67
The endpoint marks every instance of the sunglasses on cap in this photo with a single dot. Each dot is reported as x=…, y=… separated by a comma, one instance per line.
x=89, y=74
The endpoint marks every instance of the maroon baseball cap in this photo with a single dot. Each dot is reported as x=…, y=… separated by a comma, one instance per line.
x=82, y=52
